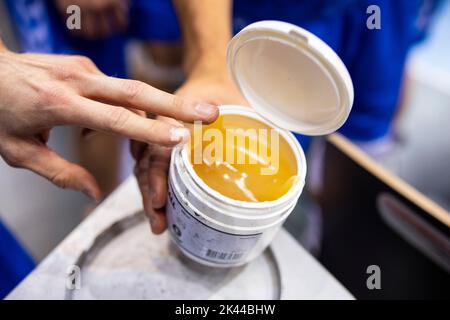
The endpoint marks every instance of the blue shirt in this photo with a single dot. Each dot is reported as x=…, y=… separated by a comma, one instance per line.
x=15, y=263
x=374, y=58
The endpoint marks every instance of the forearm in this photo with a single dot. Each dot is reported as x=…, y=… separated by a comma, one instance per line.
x=206, y=30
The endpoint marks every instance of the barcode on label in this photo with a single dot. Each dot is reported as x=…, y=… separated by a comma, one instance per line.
x=223, y=255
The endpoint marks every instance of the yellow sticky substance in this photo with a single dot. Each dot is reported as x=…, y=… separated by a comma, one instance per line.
x=242, y=158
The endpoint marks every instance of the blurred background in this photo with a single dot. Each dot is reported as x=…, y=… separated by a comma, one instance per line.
x=41, y=215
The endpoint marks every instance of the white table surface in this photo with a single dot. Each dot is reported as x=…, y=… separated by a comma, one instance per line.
x=302, y=277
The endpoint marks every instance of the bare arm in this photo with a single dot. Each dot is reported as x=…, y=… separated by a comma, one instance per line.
x=206, y=29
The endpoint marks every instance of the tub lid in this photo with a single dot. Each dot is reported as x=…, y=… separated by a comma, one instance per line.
x=291, y=77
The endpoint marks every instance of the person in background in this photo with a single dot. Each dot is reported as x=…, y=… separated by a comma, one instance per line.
x=374, y=58
x=106, y=27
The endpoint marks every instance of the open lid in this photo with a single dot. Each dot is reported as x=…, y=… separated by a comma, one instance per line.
x=291, y=77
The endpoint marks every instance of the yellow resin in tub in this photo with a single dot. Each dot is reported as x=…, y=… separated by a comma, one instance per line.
x=243, y=159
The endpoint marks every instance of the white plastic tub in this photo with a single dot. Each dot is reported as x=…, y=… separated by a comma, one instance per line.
x=219, y=231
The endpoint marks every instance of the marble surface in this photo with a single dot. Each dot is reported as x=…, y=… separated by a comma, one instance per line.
x=135, y=264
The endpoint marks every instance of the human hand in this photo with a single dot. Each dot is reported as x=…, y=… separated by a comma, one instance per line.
x=151, y=170
x=152, y=161
x=213, y=86
x=39, y=92
x=99, y=18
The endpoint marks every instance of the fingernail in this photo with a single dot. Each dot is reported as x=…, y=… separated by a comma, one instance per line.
x=179, y=135
x=205, y=109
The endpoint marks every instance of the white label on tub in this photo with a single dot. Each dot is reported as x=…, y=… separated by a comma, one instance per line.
x=203, y=241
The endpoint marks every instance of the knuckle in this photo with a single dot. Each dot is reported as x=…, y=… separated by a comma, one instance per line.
x=176, y=103
x=153, y=130
x=139, y=172
x=14, y=158
x=68, y=176
x=132, y=89
x=53, y=94
x=64, y=72
x=60, y=179
x=83, y=61
x=118, y=118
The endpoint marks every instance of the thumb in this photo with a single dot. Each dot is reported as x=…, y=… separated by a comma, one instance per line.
x=59, y=171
